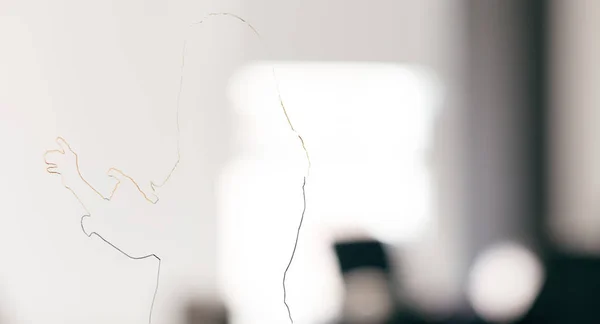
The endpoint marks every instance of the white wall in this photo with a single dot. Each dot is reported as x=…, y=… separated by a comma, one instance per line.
x=105, y=74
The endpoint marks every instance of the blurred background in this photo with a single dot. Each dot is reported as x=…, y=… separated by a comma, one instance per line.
x=454, y=167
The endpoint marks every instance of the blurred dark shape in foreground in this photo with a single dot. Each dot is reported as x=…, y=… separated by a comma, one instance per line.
x=367, y=279
x=571, y=291
x=200, y=312
x=569, y=294
x=370, y=286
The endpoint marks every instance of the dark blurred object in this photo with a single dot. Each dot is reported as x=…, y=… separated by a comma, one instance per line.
x=368, y=275
x=369, y=285
x=367, y=279
x=571, y=291
x=206, y=313
x=361, y=254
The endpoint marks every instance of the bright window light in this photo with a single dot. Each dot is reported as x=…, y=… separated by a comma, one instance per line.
x=367, y=129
